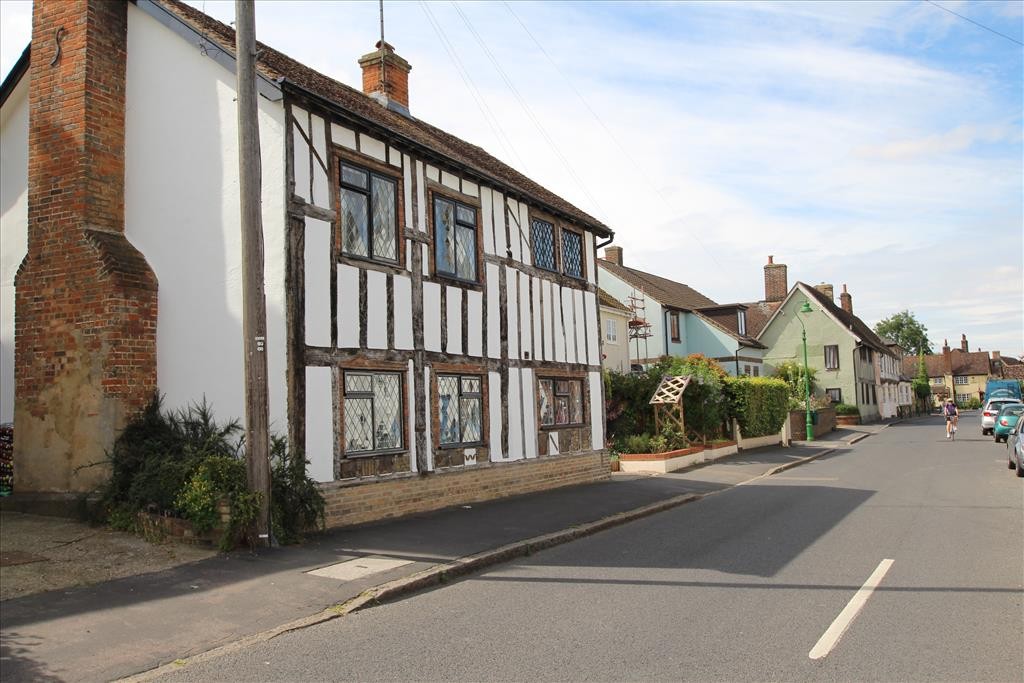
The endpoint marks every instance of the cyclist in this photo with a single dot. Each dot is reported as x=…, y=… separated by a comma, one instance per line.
x=952, y=417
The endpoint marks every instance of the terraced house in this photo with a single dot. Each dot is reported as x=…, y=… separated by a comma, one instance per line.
x=433, y=332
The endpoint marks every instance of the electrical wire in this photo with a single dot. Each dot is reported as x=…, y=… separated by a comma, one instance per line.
x=990, y=30
x=526, y=107
x=642, y=171
x=481, y=103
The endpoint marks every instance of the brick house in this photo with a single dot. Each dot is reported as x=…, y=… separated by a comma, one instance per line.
x=959, y=372
x=682, y=320
x=432, y=314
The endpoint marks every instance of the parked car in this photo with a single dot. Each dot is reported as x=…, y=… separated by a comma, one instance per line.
x=991, y=411
x=1007, y=420
x=1015, y=452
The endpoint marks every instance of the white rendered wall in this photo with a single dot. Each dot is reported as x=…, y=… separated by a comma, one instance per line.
x=13, y=228
x=182, y=212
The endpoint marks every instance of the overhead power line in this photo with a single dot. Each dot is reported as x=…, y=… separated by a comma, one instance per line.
x=990, y=30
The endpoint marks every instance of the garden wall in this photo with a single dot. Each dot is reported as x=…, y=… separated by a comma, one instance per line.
x=798, y=423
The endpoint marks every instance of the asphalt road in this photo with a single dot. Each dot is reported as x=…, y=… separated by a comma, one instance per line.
x=744, y=585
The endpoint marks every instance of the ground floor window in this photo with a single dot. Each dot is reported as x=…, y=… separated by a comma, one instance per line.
x=835, y=395
x=373, y=412
x=460, y=409
x=963, y=398
x=561, y=402
x=757, y=371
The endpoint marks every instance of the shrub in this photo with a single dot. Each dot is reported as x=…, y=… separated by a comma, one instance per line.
x=704, y=401
x=847, y=409
x=760, y=404
x=296, y=504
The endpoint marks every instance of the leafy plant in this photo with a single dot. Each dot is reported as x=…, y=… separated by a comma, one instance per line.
x=847, y=409
x=296, y=504
x=760, y=404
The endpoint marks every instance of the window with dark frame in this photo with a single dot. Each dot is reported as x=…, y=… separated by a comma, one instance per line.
x=460, y=409
x=572, y=253
x=455, y=239
x=832, y=357
x=373, y=412
x=835, y=395
x=673, y=320
x=757, y=371
x=560, y=402
x=741, y=322
x=542, y=233
x=369, y=210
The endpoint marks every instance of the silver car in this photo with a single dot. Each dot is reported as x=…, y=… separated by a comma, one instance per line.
x=991, y=411
x=1015, y=451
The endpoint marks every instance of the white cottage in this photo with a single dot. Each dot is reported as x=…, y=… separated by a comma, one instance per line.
x=433, y=332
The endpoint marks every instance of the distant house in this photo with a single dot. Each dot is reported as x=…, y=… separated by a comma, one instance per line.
x=903, y=398
x=852, y=364
x=615, y=317
x=959, y=372
x=682, y=320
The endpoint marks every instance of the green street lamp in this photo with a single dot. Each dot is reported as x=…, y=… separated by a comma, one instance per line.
x=806, y=308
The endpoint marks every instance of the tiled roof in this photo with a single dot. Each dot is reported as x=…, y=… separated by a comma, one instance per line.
x=1013, y=371
x=275, y=66
x=665, y=291
x=964, y=363
x=758, y=314
x=606, y=299
x=848, y=320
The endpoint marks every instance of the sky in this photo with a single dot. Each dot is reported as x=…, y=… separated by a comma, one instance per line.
x=878, y=145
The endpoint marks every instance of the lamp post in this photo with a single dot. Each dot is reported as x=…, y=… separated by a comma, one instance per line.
x=806, y=308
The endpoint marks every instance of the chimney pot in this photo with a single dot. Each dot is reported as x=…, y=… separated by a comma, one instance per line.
x=776, y=281
x=386, y=77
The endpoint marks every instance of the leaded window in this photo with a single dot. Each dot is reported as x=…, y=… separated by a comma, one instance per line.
x=369, y=210
x=561, y=402
x=543, y=236
x=373, y=412
x=572, y=253
x=460, y=409
x=455, y=239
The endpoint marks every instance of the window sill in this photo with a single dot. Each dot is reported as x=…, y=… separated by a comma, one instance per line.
x=358, y=455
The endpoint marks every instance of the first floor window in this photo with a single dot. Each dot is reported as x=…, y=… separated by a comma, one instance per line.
x=455, y=239
x=960, y=379
x=673, y=321
x=561, y=402
x=572, y=253
x=611, y=332
x=373, y=412
x=460, y=409
x=757, y=371
x=937, y=380
x=835, y=395
x=832, y=357
x=369, y=206
x=543, y=235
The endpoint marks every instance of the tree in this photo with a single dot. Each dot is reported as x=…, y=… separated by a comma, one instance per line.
x=904, y=329
x=922, y=386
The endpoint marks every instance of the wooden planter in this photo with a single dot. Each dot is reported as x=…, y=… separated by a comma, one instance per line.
x=847, y=419
x=669, y=461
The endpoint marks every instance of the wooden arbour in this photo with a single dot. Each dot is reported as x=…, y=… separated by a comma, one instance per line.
x=668, y=402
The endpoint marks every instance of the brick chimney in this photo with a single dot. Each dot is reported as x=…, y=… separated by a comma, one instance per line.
x=613, y=255
x=947, y=357
x=776, y=281
x=963, y=343
x=386, y=77
x=85, y=298
x=827, y=290
x=846, y=301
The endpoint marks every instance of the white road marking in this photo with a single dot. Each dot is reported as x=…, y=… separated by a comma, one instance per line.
x=358, y=568
x=831, y=637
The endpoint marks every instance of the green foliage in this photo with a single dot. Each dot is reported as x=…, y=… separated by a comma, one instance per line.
x=904, y=329
x=668, y=440
x=217, y=480
x=297, y=506
x=704, y=402
x=921, y=384
x=972, y=403
x=792, y=373
x=847, y=409
x=760, y=404
x=627, y=397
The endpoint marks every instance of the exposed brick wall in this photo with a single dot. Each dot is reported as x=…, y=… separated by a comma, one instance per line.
x=395, y=83
x=776, y=281
x=351, y=503
x=85, y=298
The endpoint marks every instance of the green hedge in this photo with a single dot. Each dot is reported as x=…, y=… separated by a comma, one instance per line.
x=758, y=403
x=847, y=409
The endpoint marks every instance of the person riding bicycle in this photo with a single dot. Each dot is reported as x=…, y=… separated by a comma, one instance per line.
x=952, y=417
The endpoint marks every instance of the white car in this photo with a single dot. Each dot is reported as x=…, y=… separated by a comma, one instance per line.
x=991, y=410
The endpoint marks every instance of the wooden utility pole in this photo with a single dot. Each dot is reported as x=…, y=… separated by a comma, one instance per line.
x=254, y=305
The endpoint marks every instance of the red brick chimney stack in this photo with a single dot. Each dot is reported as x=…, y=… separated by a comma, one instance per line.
x=386, y=77
x=846, y=301
x=947, y=357
x=85, y=298
x=776, y=281
x=613, y=255
x=963, y=343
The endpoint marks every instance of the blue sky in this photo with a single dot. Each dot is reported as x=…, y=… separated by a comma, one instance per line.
x=876, y=144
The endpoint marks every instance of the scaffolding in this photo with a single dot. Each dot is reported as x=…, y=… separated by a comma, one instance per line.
x=639, y=328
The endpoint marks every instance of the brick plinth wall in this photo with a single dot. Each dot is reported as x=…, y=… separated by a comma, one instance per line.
x=85, y=298
x=351, y=503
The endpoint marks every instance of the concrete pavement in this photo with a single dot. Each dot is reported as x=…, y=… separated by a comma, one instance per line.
x=196, y=611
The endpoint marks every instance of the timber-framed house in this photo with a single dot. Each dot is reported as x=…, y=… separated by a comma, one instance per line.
x=433, y=332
